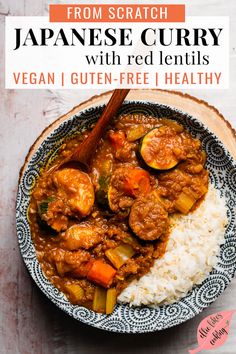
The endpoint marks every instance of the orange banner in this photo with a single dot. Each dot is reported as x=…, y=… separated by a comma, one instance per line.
x=116, y=13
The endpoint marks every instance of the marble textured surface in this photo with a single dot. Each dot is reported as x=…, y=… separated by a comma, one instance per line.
x=29, y=323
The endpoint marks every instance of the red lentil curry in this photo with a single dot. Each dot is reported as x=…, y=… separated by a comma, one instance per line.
x=95, y=232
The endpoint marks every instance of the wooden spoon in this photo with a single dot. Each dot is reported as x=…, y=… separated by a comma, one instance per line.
x=84, y=152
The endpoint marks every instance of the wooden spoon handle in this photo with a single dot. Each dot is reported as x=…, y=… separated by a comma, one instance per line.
x=85, y=151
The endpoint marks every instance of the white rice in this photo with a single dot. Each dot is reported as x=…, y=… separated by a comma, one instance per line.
x=191, y=253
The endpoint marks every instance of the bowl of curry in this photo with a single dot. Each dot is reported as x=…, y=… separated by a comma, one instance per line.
x=86, y=236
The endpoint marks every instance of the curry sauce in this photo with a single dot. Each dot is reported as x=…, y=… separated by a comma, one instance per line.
x=95, y=232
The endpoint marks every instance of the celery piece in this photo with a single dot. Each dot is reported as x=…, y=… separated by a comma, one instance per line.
x=99, y=300
x=184, y=203
x=75, y=291
x=135, y=133
x=110, y=300
x=120, y=254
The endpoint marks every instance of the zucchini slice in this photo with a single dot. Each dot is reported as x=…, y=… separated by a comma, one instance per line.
x=101, y=194
x=43, y=205
x=148, y=218
x=162, y=148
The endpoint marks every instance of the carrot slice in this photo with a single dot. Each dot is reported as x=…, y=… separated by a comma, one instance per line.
x=117, y=139
x=137, y=181
x=101, y=273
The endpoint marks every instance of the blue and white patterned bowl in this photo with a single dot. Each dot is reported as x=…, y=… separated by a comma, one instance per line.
x=124, y=318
